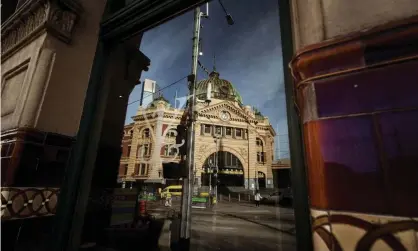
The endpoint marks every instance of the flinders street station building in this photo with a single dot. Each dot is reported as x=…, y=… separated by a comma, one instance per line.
x=236, y=138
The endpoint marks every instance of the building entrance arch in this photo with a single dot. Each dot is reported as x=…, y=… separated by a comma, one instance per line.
x=230, y=169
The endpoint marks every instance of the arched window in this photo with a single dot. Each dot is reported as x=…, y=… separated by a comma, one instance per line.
x=171, y=133
x=261, y=155
x=225, y=160
x=144, y=150
x=169, y=151
x=258, y=142
x=146, y=133
x=230, y=171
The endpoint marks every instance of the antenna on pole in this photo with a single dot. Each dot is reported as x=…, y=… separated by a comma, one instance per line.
x=175, y=100
x=227, y=15
x=214, y=62
x=278, y=142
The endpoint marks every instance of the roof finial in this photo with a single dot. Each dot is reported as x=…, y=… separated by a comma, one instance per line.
x=214, y=62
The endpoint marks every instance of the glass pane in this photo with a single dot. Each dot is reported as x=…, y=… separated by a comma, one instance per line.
x=367, y=92
x=229, y=131
x=340, y=165
x=239, y=84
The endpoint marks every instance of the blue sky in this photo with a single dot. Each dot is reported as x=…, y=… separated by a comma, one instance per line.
x=248, y=54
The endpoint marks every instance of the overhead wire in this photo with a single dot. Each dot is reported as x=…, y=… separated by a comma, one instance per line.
x=165, y=87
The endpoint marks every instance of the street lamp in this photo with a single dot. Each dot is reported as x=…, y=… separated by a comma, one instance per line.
x=185, y=226
x=228, y=17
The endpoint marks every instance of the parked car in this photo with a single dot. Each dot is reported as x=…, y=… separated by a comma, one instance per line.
x=287, y=197
x=272, y=198
x=282, y=197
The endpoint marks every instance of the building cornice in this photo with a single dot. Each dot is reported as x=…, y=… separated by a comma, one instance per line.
x=35, y=17
x=151, y=115
x=267, y=128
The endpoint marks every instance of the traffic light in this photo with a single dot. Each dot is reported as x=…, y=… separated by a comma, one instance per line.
x=181, y=139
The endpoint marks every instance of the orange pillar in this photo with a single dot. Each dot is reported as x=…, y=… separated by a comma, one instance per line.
x=358, y=99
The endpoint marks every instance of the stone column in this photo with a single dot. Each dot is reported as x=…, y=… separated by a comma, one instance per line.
x=38, y=84
x=252, y=159
x=357, y=96
x=269, y=160
x=124, y=66
x=132, y=159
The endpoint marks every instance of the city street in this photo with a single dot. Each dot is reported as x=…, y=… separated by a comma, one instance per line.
x=243, y=227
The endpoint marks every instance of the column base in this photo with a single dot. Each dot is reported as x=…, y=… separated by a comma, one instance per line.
x=269, y=183
x=33, y=158
x=250, y=184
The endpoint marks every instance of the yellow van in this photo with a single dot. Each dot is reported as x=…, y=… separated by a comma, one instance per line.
x=173, y=190
x=176, y=190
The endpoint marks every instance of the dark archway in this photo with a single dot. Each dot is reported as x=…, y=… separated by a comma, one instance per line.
x=261, y=179
x=230, y=169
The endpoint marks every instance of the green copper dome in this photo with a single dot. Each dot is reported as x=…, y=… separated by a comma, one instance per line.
x=156, y=100
x=221, y=89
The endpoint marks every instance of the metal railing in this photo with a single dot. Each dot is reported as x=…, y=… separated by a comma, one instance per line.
x=236, y=197
x=28, y=202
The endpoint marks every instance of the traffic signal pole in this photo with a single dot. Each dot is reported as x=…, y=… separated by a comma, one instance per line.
x=186, y=200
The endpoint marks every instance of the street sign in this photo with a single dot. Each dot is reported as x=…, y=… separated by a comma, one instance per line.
x=199, y=202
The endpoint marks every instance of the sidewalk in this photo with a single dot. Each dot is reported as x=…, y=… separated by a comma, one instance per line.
x=144, y=236
x=273, y=220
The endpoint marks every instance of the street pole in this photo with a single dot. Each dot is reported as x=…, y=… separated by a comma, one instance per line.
x=210, y=179
x=186, y=200
x=217, y=169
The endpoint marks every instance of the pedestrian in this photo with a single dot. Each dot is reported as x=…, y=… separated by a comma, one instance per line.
x=168, y=200
x=257, y=198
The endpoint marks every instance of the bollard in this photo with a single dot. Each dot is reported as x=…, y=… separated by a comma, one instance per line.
x=220, y=197
x=239, y=197
x=142, y=207
x=229, y=197
x=249, y=198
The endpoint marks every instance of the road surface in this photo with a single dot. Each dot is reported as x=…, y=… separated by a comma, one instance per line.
x=243, y=227
x=237, y=226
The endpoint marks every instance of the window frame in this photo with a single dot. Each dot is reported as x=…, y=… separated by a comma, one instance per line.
x=259, y=142
x=261, y=157
x=226, y=131
x=146, y=133
x=216, y=131
x=126, y=167
x=207, y=127
x=136, y=169
x=238, y=130
x=143, y=169
x=146, y=150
